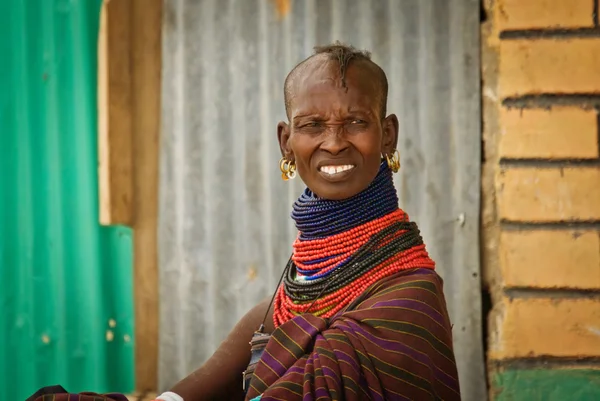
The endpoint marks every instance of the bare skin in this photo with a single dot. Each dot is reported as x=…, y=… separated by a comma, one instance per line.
x=220, y=378
x=329, y=125
x=335, y=126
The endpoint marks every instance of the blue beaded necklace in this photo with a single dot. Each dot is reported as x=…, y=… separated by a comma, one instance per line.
x=319, y=218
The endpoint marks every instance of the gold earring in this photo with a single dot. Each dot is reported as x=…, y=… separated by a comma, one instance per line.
x=288, y=169
x=393, y=161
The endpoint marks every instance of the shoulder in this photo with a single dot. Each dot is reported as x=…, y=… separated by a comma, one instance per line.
x=420, y=284
x=415, y=296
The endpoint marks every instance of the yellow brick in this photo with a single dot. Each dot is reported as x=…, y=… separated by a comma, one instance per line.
x=550, y=259
x=550, y=194
x=542, y=326
x=536, y=14
x=549, y=66
x=562, y=132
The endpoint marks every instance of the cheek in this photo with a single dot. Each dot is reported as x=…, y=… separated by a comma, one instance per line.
x=369, y=145
x=302, y=149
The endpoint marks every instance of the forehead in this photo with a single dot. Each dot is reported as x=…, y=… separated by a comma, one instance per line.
x=318, y=87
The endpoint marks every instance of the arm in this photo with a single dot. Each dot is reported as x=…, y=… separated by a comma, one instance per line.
x=220, y=378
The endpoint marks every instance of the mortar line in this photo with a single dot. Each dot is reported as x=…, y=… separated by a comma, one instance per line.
x=598, y=125
x=551, y=293
x=560, y=33
x=549, y=163
x=590, y=225
x=547, y=361
x=549, y=100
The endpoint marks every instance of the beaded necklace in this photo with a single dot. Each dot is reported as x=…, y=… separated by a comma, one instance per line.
x=343, y=247
x=320, y=218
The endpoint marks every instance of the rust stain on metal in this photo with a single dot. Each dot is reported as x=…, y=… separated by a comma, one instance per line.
x=252, y=273
x=282, y=7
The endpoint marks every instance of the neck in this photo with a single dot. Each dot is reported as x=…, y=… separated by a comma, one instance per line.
x=343, y=247
x=319, y=218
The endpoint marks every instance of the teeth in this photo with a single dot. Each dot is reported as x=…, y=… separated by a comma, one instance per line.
x=331, y=170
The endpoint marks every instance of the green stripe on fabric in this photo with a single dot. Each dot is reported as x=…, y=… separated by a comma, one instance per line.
x=257, y=383
x=327, y=353
x=349, y=384
x=423, y=284
x=290, y=386
x=288, y=343
x=547, y=385
x=405, y=327
x=416, y=285
x=366, y=364
x=403, y=375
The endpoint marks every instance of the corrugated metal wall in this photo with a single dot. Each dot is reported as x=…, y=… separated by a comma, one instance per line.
x=64, y=280
x=225, y=232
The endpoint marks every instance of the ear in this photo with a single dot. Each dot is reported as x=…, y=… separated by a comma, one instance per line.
x=283, y=136
x=389, y=141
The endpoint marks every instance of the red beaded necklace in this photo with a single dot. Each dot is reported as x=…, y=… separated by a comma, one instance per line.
x=323, y=258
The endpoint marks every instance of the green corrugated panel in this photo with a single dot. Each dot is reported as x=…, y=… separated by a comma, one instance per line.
x=63, y=278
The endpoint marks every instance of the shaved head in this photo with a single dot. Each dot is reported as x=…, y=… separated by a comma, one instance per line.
x=343, y=56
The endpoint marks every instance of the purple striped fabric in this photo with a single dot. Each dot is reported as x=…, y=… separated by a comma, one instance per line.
x=82, y=397
x=395, y=344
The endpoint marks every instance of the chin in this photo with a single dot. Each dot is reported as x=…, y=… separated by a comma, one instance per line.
x=335, y=193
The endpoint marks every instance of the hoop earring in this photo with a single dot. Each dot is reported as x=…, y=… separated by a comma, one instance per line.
x=288, y=169
x=393, y=161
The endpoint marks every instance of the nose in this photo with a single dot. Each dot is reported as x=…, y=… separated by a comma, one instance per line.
x=335, y=141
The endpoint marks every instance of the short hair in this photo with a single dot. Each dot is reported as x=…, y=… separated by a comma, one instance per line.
x=343, y=55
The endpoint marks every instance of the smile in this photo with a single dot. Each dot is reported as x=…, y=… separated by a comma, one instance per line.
x=334, y=170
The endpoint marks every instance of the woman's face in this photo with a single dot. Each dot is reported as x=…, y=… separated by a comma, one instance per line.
x=336, y=135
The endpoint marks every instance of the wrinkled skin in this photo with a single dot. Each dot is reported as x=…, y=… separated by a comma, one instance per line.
x=331, y=125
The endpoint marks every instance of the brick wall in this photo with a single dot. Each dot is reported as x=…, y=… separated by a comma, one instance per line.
x=541, y=198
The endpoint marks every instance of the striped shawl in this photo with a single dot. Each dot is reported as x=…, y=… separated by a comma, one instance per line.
x=81, y=397
x=393, y=343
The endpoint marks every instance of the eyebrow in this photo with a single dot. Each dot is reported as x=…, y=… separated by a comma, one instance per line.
x=308, y=115
x=361, y=111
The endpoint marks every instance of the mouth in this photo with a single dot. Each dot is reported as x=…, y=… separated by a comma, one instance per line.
x=336, y=172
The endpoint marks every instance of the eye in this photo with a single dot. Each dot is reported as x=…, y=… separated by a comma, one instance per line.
x=311, y=125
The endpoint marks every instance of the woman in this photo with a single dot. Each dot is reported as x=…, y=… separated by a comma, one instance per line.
x=360, y=313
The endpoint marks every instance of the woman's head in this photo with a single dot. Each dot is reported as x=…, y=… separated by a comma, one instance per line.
x=337, y=130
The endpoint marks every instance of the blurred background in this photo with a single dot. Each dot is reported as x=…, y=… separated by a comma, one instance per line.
x=142, y=211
